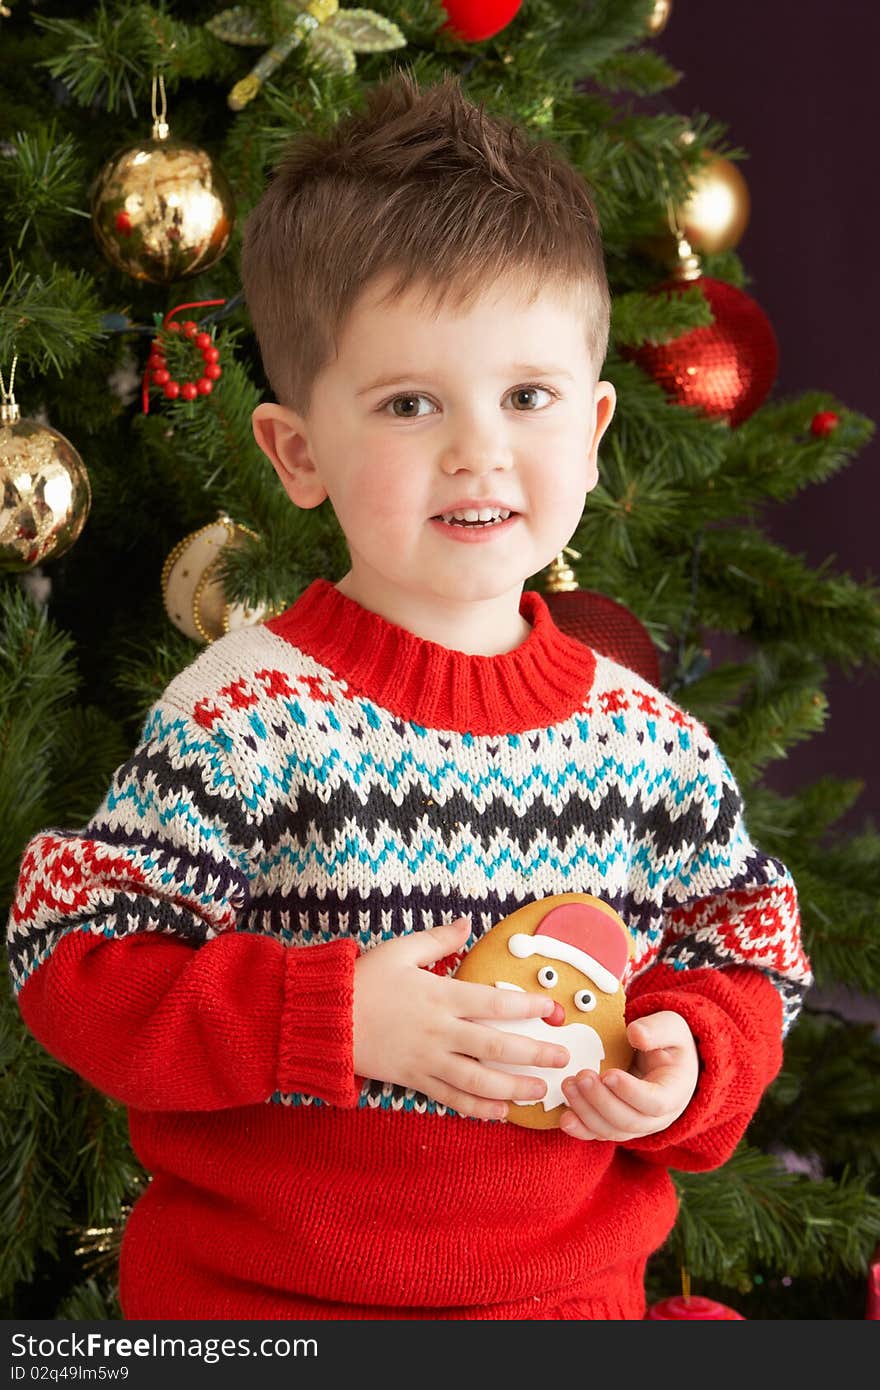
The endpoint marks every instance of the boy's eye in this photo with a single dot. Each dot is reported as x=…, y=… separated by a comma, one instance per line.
x=411, y=407
x=521, y=394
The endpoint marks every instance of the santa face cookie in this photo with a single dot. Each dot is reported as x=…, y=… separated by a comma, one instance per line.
x=575, y=948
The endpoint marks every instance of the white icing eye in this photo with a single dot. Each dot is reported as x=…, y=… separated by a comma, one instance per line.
x=585, y=1000
x=547, y=976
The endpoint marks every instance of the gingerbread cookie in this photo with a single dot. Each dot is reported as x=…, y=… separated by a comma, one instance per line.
x=576, y=948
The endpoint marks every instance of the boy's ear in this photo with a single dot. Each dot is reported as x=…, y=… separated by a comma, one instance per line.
x=282, y=436
x=606, y=400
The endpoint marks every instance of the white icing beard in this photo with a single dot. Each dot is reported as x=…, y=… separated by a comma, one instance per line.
x=584, y=1047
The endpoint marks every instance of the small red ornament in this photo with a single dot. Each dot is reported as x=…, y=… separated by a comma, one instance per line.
x=600, y=622
x=726, y=368
x=473, y=20
x=824, y=422
x=157, y=373
x=692, y=1308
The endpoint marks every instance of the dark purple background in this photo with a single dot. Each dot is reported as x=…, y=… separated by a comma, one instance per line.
x=797, y=88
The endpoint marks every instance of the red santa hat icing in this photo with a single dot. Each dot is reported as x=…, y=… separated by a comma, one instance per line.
x=582, y=936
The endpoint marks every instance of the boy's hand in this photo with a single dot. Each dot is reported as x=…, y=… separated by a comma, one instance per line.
x=622, y=1105
x=416, y=1029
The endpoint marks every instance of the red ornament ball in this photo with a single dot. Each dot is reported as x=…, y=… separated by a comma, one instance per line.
x=824, y=422
x=694, y=1308
x=726, y=368
x=608, y=627
x=473, y=20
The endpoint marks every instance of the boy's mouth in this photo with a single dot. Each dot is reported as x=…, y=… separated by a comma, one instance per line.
x=482, y=517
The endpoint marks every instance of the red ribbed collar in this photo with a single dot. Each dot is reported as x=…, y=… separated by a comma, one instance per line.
x=540, y=682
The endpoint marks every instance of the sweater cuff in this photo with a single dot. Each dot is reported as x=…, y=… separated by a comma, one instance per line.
x=316, y=1049
x=735, y=1016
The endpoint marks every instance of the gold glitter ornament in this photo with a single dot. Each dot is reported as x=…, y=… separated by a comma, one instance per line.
x=162, y=210
x=45, y=494
x=192, y=588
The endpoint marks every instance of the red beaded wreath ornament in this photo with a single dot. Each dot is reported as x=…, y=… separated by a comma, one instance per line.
x=157, y=372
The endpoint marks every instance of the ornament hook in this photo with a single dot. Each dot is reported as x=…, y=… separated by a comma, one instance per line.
x=159, y=108
x=688, y=265
x=9, y=411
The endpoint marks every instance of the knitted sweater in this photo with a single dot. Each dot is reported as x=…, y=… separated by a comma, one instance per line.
x=303, y=791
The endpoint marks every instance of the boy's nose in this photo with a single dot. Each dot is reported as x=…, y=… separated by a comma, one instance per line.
x=473, y=456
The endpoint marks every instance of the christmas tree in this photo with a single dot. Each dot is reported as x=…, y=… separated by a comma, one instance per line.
x=140, y=521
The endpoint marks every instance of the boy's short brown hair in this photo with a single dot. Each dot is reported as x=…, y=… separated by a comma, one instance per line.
x=426, y=185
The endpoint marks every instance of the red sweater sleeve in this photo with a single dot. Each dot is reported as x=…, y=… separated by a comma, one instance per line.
x=128, y=955
x=735, y=1015
x=161, y=1025
x=730, y=960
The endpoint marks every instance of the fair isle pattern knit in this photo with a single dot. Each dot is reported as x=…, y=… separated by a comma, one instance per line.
x=270, y=795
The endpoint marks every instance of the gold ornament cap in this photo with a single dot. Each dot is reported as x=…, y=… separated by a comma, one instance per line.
x=561, y=577
x=688, y=265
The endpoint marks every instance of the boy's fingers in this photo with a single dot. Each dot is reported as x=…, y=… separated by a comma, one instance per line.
x=489, y=1083
x=485, y=1001
x=464, y=1104
x=432, y=945
x=492, y=1045
x=664, y=1029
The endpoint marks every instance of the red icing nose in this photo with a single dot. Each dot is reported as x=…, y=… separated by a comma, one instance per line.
x=558, y=1015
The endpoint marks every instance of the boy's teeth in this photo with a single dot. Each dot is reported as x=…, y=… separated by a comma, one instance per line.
x=472, y=515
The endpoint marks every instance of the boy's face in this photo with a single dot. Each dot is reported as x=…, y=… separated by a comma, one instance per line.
x=426, y=412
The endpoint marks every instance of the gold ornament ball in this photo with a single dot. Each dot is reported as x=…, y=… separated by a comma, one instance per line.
x=192, y=589
x=716, y=213
x=45, y=494
x=713, y=217
x=162, y=211
x=659, y=17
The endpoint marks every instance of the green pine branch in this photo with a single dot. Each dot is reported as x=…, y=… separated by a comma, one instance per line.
x=640, y=317
x=751, y=584
x=753, y=1213
x=49, y=318
x=42, y=186
x=110, y=59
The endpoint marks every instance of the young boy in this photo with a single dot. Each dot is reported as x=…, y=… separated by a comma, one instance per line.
x=252, y=943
